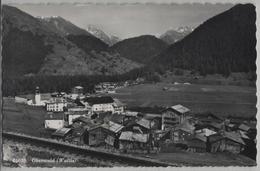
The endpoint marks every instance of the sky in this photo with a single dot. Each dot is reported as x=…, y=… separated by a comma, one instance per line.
x=127, y=20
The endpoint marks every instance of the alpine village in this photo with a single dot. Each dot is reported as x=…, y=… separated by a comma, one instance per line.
x=181, y=109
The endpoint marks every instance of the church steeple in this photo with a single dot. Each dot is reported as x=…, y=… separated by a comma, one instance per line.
x=37, y=96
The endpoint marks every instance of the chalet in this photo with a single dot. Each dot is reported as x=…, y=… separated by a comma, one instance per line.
x=117, y=118
x=129, y=116
x=79, y=135
x=77, y=92
x=82, y=121
x=162, y=135
x=99, y=104
x=61, y=133
x=118, y=106
x=181, y=133
x=99, y=89
x=54, y=120
x=226, y=142
x=134, y=142
x=56, y=105
x=230, y=127
x=142, y=126
x=156, y=118
x=80, y=128
x=72, y=115
x=173, y=116
x=105, y=134
x=197, y=144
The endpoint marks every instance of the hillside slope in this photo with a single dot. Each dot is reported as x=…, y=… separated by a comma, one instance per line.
x=140, y=49
x=223, y=44
x=64, y=27
x=31, y=46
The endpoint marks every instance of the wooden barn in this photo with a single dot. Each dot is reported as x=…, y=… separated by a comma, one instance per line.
x=142, y=126
x=105, y=134
x=226, y=142
x=134, y=142
x=197, y=144
x=62, y=134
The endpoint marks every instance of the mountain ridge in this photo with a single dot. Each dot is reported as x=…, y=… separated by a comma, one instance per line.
x=224, y=43
x=173, y=35
x=38, y=44
x=140, y=49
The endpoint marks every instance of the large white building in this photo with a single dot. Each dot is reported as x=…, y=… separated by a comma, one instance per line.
x=99, y=104
x=56, y=105
x=54, y=120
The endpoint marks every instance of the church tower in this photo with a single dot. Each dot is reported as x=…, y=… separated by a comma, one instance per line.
x=37, y=96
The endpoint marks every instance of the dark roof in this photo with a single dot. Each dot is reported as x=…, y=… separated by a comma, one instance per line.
x=99, y=100
x=79, y=103
x=236, y=137
x=61, y=132
x=215, y=125
x=82, y=119
x=117, y=118
x=112, y=126
x=54, y=116
x=244, y=127
x=145, y=123
x=134, y=137
x=79, y=131
x=185, y=129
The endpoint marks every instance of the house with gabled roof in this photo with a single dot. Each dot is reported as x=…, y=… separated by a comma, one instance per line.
x=226, y=142
x=61, y=133
x=174, y=115
x=105, y=134
x=197, y=143
x=54, y=120
x=141, y=125
x=133, y=142
x=99, y=104
x=181, y=133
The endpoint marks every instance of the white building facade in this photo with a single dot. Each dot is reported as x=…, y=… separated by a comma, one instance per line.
x=56, y=105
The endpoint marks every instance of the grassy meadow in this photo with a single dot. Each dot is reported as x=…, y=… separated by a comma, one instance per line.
x=220, y=99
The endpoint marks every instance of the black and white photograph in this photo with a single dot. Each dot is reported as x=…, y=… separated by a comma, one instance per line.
x=128, y=84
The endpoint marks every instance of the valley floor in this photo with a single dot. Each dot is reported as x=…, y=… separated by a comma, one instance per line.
x=219, y=99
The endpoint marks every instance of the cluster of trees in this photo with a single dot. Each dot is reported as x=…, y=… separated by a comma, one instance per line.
x=23, y=52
